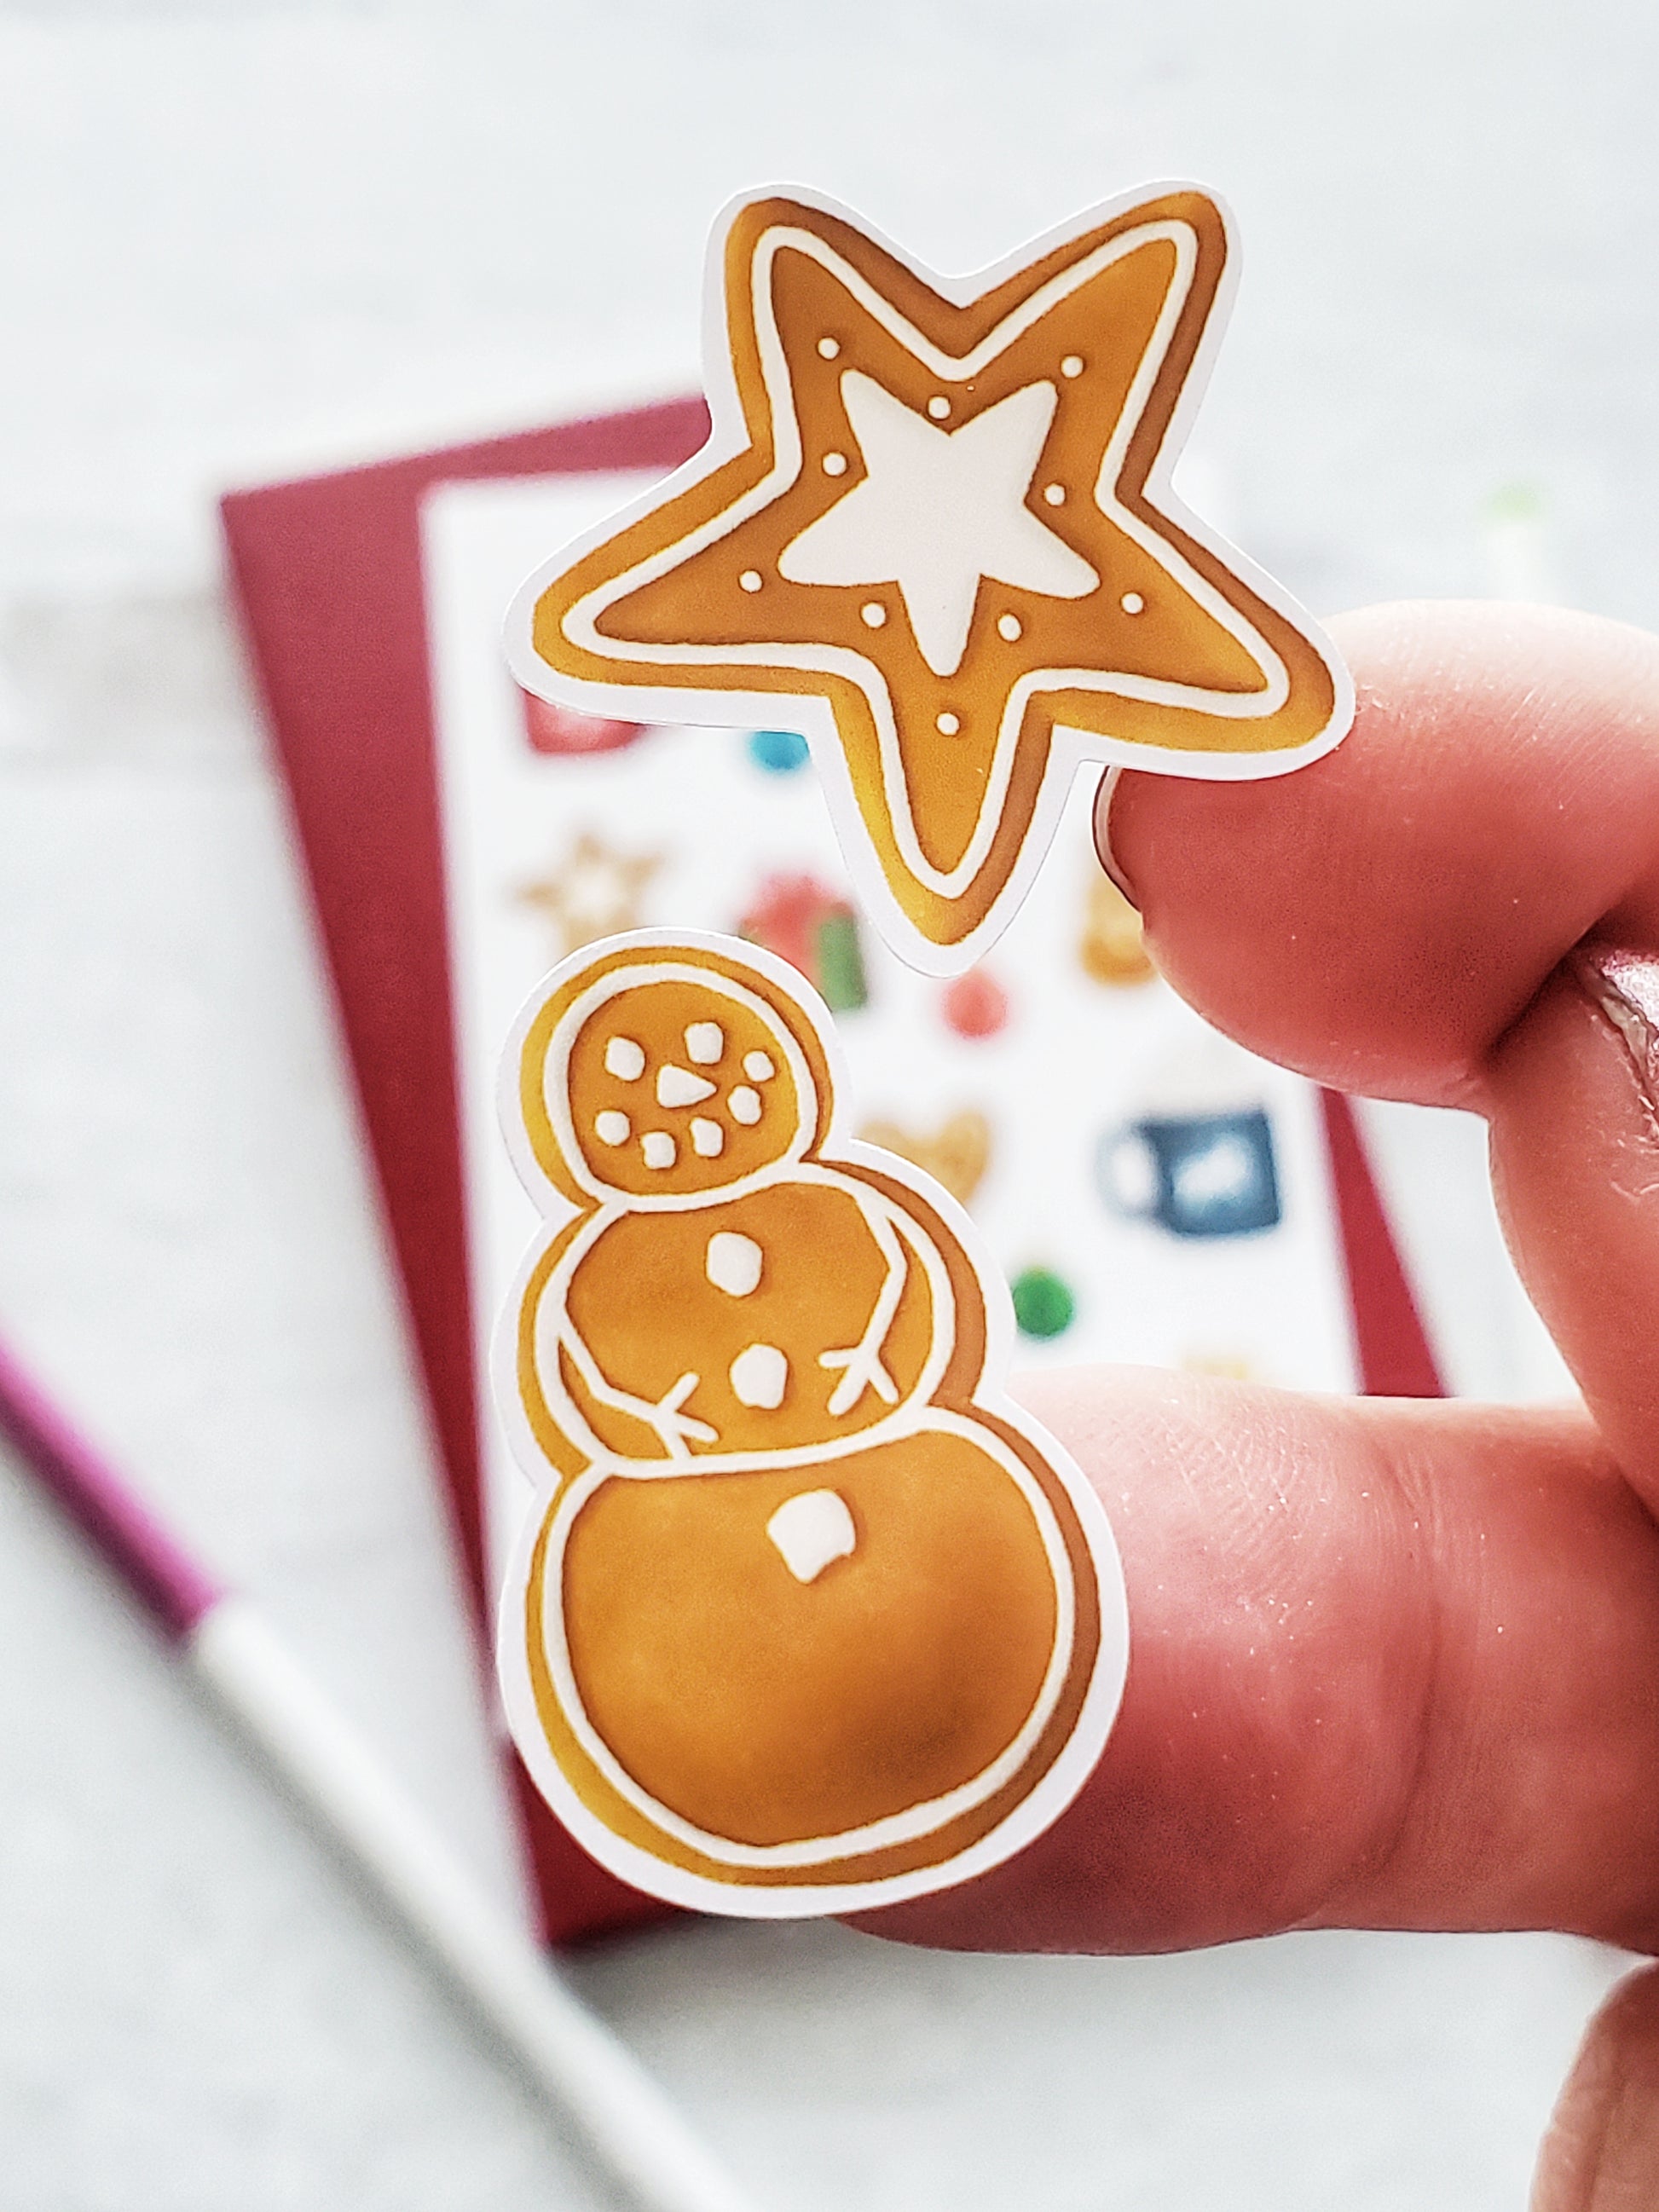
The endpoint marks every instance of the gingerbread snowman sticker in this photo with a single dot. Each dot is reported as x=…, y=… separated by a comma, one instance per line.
x=806, y=1615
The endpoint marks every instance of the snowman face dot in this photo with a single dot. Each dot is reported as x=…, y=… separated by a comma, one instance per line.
x=704, y=1043
x=732, y=1263
x=659, y=1148
x=624, y=1059
x=708, y=1137
x=758, y=1068
x=612, y=1128
x=760, y=1376
x=745, y=1105
x=677, y=1087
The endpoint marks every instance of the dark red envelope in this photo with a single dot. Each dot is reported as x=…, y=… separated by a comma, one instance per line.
x=328, y=573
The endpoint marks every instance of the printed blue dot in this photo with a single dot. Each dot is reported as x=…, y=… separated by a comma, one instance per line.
x=780, y=752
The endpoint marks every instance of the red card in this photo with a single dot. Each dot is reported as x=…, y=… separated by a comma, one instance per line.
x=328, y=572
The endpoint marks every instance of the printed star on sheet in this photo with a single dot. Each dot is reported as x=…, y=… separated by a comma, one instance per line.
x=593, y=894
x=940, y=510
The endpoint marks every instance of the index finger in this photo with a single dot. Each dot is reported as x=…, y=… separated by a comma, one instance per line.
x=1380, y=918
x=1436, y=911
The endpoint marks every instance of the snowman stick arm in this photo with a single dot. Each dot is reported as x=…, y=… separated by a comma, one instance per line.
x=862, y=1364
x=663, y=1417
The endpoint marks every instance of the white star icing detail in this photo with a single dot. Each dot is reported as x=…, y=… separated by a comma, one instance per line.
x=938, y=510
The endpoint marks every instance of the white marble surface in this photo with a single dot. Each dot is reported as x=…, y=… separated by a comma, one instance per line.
x=243, y=237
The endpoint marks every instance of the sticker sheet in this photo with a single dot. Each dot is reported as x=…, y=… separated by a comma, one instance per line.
x=935, y=531
x=808, y=1615
x=1147, y=1191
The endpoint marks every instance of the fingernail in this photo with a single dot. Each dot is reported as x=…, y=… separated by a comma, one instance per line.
x=1107, y=792
x=1625, y=987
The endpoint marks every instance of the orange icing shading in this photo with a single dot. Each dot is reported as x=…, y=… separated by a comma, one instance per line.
x=938, y=518
x=808, y=1614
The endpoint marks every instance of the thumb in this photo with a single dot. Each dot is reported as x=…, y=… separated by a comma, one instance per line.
x=1602, y=2153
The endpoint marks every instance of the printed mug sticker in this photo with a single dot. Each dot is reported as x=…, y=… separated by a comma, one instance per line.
x=937, y=518
x=808, y=1615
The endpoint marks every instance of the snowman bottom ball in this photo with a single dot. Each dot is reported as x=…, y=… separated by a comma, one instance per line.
x=794, y=1683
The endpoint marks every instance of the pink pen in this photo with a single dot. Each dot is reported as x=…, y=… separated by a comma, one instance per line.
x=504, y=1981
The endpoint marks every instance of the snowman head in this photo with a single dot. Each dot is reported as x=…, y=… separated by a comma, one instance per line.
x=662, y=1072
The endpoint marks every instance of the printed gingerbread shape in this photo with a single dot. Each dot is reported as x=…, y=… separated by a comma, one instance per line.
x=937, y=519
x=808, y=1614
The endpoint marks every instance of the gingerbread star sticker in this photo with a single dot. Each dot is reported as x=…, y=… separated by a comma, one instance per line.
x=937, y=519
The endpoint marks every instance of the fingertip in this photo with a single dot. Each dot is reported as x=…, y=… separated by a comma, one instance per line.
x=1380, y=917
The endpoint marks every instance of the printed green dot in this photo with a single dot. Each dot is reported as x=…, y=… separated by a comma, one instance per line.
x=1043, y=1305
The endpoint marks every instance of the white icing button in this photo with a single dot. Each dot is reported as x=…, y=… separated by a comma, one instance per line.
x=1009, y=626
x=834, y=464
x=704, y=1042
x=745, y=1105
x=873, y=613
x=948, y=725
x=1072, y=365
x=733, y=1263
x=938, y=407
x=757, y=1067
x=660, y=1149
x=811, y=1530
x=612, y=1128
x=677, y=1087
x=707, y=1139
x=1132, y=603
x=829, y=347
x=760, y=1376
x=1054, y=493
x=750, y=579
x=624, y=1058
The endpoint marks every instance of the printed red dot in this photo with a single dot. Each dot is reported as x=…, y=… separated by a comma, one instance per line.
x=976, y=1005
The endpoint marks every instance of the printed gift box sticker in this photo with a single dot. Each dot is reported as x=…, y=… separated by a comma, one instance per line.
x=807, y=1614
x=937, y=518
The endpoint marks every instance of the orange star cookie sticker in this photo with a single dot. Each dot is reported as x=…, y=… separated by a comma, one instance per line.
x=937, y=518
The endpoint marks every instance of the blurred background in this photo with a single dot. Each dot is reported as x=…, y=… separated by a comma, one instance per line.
x=243, y=241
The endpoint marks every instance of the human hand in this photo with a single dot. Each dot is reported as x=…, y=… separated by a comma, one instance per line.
x=1395, y=1664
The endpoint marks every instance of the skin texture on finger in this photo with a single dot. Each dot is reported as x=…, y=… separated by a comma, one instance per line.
x=1380, y=917
x=1602, y=2153
x=1392, y=1664
x=1394, y=919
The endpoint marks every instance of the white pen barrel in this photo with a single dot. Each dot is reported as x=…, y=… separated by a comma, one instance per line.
x=632, y=2128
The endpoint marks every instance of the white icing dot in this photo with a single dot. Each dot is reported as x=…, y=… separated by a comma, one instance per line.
x=612, y=1128
x=1132, y=603
x=745, y=1105
x=873, y=613
x=938, y=407
x=757, y=1067
x=660, y=1149
x=750, y=579
x=1072, y=365
x=947, y=725
x=760, y=1375
x=704, y=1042
x=809, y=1530
x=733, y=1263
x=834, y=464
x=829, y=347
x=677, y=1087
x=1009, y=626
x=624, y=1058
x=707, y=1139
x=1054, y=493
